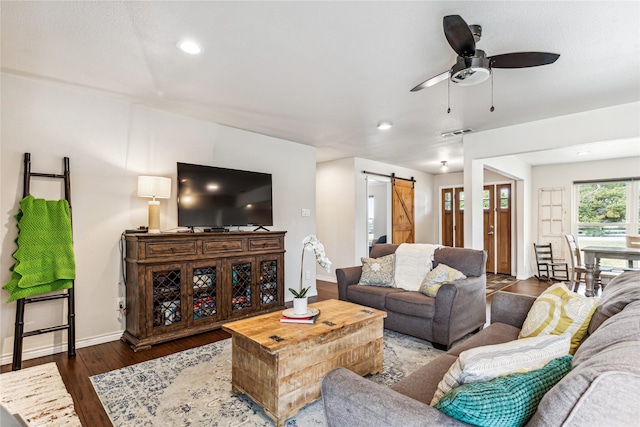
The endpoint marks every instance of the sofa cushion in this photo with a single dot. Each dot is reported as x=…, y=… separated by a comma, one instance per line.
x=604, y=392
x=621, y=291
x=560, y=311
x=423, y=382
x=472, y=262
x=621, y=328
x=436, y=277
x=566, y=396
x=484, y=363
x=378, y=271
x=504, y=401
x=496, y=333
x=371, y=296
x=411, y=303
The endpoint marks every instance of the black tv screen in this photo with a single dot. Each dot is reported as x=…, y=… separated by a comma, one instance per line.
x=218, y=197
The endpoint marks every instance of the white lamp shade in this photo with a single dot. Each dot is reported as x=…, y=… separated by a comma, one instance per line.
x=154, y=186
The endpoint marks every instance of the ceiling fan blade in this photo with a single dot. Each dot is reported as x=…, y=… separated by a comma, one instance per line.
x=523, y=59
x=459, y=35
x=432, y=81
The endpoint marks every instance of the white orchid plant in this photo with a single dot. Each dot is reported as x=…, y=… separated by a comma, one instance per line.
x=312, y=242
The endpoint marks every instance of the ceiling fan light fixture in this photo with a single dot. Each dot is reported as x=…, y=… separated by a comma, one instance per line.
x=470, y=76
x=471, y=70
x=385, y=124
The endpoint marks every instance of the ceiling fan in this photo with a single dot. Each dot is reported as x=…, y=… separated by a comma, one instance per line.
x=473, y=66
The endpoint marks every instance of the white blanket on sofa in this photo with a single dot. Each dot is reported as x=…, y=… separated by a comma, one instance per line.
x=413, y=262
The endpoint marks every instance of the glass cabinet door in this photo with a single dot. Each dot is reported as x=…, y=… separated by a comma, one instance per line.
x=241, y=279
x=204, y=291
x=166, y=295
x=269, y=268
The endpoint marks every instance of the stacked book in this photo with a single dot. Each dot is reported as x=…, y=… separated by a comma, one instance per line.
x=288, y=316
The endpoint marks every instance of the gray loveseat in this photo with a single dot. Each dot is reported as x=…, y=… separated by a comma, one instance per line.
x=602, y=388
x=458, y=309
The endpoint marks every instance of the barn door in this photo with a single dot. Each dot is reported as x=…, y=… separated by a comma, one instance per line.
x=402, y=211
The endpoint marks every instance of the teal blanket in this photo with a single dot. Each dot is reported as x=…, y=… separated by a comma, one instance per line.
x=44, y=259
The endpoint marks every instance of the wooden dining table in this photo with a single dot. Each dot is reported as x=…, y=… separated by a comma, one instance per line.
x=592, y=256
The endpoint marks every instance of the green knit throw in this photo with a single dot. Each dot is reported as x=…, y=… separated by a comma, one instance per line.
x=44, y=259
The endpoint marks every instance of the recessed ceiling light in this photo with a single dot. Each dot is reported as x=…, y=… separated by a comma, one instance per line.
x=190, y=47
x=385, y=124
x=583, y=153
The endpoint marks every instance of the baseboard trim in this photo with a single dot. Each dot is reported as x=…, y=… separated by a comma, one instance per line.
x=327, y=278
x=61, y=348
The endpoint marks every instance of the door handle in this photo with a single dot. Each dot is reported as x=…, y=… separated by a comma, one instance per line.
x=491, y=232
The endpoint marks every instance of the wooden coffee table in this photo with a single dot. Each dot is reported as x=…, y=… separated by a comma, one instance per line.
x=280, y=365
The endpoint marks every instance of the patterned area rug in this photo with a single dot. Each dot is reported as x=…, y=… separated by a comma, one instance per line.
x=496, y=282
x=193, y=387
x=39, y=396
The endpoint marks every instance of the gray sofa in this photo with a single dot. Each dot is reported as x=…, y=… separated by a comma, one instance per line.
x=458, y=309
x=602, y=388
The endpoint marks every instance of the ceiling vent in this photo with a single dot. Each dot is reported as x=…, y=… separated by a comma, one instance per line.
x=458, y=132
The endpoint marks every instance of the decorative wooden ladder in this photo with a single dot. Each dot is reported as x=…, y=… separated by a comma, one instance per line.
x=68, y=294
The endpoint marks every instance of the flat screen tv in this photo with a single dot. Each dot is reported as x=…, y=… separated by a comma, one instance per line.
x=218, y=197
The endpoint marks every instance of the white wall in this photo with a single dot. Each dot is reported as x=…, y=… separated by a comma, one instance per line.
x=342, y=208
x=336, y=207
x=109, y=144
x=493, y=148
x=563, y=176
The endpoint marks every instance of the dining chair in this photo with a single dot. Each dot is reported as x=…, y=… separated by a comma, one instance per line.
x=578, y=269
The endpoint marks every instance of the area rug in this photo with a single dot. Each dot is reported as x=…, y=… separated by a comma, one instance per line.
x=193, y=387
x=496, y=282
x=39, y=396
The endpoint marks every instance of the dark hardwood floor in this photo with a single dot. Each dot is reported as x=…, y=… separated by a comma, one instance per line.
x=106, y=357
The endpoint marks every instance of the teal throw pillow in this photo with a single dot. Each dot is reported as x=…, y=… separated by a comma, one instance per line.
x=507, y=401
x=378, y=271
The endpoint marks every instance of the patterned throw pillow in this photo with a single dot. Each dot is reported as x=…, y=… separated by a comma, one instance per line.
x=378, y=271
x=506, y=401
x=559, y=311
x=485, y=363
x=437, y=277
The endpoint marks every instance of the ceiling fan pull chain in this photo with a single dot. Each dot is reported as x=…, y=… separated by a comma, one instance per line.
x=448, y=96
x=492, y=107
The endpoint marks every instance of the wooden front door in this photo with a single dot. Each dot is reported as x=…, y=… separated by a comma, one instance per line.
x=453, y=217
x=402, y=211
x=496, y=202
x=488, y=207
x=503, y=225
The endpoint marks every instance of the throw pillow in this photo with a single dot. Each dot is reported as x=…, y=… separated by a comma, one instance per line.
x=378, y=271
x=491, y=361
x=560, y=311
x=437, y=277
x=506, y=401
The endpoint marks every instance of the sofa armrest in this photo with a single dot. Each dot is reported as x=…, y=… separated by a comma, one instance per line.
x=356, y=401
x=346, y=277
x=460, y=308
x=510, y=308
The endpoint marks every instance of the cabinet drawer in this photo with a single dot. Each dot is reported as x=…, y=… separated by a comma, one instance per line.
x=260, y=244
x=218, y=246
x=162, y=249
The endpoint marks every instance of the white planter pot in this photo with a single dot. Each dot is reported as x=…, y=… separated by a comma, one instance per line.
x=300, y=305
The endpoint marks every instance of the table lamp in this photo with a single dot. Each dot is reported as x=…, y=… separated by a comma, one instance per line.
x=154, y=187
